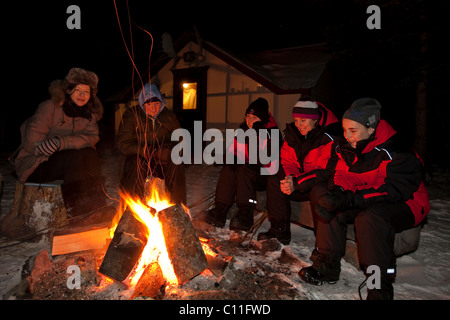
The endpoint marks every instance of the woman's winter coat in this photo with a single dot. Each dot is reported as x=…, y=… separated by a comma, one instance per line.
x=309, y=158
x=378, y=170
x=50, y=121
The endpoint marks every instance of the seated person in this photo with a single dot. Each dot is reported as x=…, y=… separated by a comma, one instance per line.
x=377, y=185
x=305, y=160
x=241, y=181
x=144, y=139
x=58, y=142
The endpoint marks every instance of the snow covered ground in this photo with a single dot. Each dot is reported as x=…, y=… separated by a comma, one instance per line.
x=421, y=275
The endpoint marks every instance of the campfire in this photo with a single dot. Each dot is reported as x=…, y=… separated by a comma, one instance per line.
x=153, y=244
x=154, y=251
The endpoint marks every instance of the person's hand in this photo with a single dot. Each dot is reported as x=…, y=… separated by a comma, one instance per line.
x=258, y=125
x=287, y=185
x=49, y=147
x=333, y=201
x=337, y=199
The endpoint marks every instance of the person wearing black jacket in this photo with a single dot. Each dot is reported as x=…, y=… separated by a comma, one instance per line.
x=240, y=181
x=377, y=185
x=144, y=140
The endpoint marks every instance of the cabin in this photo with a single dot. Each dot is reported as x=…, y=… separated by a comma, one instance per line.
x=203, y=82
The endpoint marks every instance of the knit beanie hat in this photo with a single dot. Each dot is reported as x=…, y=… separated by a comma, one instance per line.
x=306, y=110
x=365, y=111
x=80, y=76
x=259, y=108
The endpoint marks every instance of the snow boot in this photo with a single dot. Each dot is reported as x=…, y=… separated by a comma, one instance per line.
x=282, y=234
x=217, y=216
x=325, y=269
x=243, y=219
x=386, y=290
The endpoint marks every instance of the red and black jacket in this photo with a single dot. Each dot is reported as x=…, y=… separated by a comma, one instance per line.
x=241, y=150
x=309, y=158
x=378, y=170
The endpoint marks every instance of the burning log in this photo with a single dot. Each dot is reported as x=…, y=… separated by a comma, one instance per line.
x=150, y=283
x=183, y=246
x=125, y=248
x=216, y=262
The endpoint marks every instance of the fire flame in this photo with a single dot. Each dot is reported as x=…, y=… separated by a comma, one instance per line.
x=156, y=246
x=206, y=248
x=155, y=200
x=155, y=249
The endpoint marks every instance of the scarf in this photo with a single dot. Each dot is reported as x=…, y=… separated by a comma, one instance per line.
x=74, y=111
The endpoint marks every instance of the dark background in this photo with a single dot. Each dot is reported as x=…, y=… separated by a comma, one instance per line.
x=386, y=64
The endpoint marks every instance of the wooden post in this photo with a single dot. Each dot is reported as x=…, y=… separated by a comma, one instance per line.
x=36, y=207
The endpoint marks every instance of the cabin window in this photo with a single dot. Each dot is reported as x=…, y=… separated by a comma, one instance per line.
x=190, y=96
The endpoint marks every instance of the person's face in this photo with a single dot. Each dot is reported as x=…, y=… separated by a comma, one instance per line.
x=304, y=125
x=355, y=131
x=152, y=108
x=81, y=94
x=250, y=119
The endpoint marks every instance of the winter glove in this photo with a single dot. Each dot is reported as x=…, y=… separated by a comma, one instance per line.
x=334, y=200
x=49, y=147
x=258, y=125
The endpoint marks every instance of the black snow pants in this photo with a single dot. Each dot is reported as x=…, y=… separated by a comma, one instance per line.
x=239, y=182
x=375, y=228
x=80, y=169
x=279, y=203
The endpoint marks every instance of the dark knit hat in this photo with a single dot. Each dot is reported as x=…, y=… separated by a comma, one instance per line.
x=80, y=76
x=259, y=108
x=365, y=111
x=306, y=110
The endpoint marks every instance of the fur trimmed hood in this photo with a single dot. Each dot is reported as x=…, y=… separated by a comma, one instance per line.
x=58, y=93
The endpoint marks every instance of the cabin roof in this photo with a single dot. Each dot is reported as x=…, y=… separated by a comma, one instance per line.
x=282, y=71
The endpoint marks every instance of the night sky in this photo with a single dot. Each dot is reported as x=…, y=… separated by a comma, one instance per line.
x=38, y=47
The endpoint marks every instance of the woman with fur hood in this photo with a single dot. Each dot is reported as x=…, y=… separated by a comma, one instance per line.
x=58, y=142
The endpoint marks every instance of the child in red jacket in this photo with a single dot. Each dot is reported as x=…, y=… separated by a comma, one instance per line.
x=239, y=182
x=377, y=185
x=306, y=159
